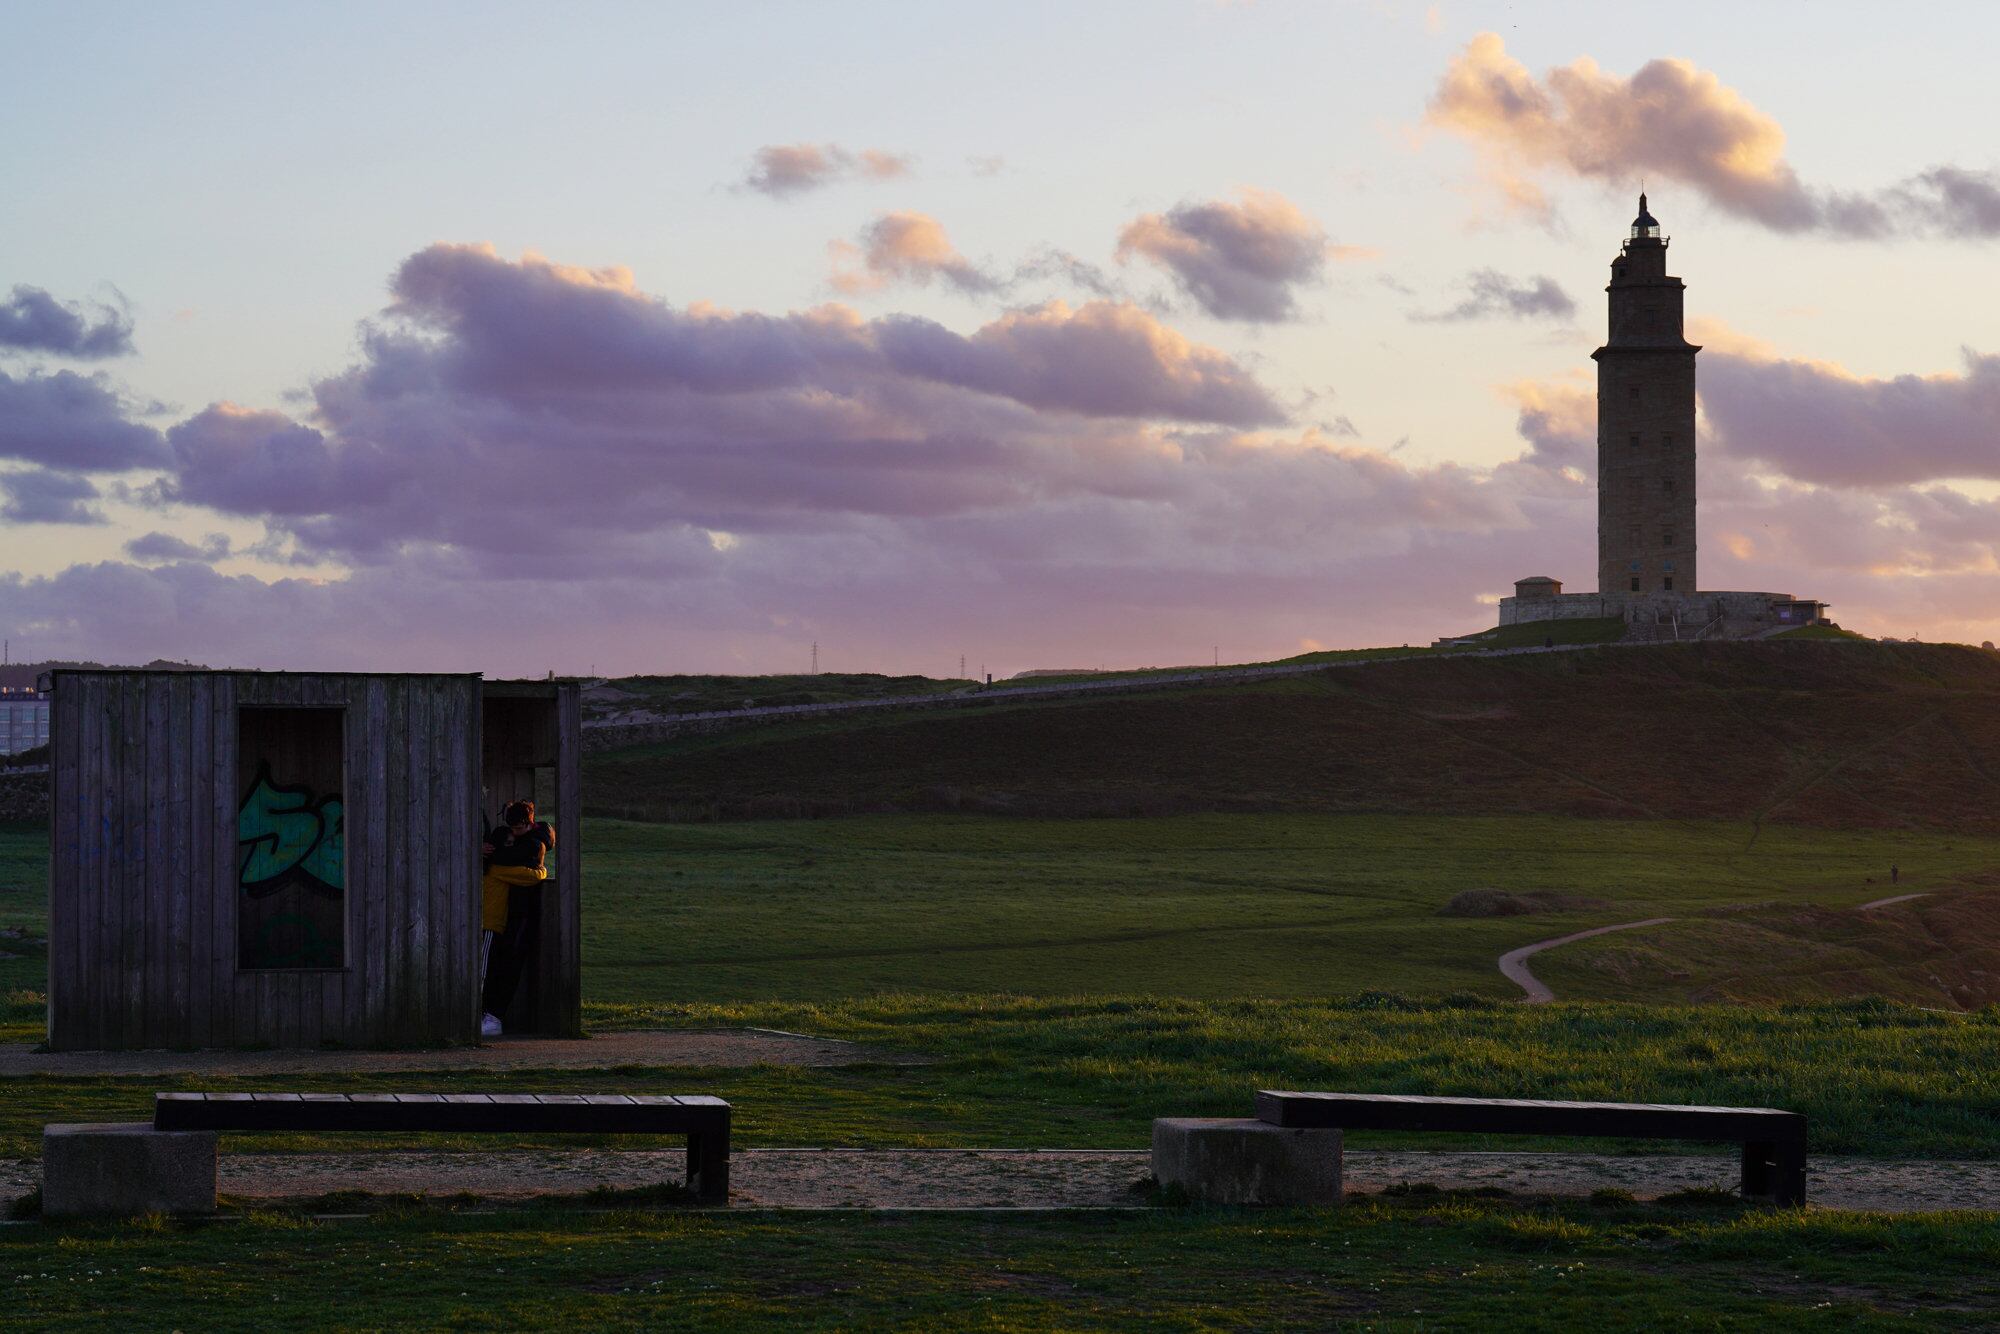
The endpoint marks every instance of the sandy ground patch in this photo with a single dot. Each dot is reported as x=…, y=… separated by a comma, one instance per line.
x=1039, y=1179
x=728, y=1048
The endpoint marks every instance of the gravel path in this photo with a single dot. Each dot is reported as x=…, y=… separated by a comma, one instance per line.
x=1039, y=1179
x=735, y=1047
x=1514, y=963
x=1894, y=898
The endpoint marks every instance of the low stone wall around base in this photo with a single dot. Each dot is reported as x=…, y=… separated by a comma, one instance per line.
x=1693, y=609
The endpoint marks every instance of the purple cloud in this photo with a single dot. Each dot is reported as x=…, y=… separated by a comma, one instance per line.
x=623, y=417
x=1237, y=261
x=155, y=547
x=783, y=170
x=1490, y=294
x=38, y=495
x=72, y=422
x=1818, y=423
x=33, y=321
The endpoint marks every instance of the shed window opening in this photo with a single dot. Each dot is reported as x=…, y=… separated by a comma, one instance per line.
x=291, y=838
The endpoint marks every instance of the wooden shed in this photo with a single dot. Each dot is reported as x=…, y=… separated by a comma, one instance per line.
x=291, y=859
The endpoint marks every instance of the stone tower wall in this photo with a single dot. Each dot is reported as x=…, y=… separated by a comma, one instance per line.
x=1645, y=431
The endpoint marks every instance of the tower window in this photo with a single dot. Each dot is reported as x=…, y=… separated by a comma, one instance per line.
x=1635, y=439
x=1667, y=485
x=1668, y=439
x=1669, y=567
x=1667, y=584
x=1635, y=583
x=1667, y=538
x=1634, y=567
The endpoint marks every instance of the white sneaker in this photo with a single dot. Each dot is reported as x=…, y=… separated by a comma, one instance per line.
x=489, y=1027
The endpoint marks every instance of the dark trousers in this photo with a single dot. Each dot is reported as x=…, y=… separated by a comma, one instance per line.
x=513, y=950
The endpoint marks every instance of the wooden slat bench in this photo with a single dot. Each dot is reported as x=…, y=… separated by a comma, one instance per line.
x=1774, y=1142
x=703, y=1120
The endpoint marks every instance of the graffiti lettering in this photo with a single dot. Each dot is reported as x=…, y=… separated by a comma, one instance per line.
x=285, y=836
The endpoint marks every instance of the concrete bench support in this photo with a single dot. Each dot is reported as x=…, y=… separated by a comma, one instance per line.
x=126, y=1167
x=1225, y=1161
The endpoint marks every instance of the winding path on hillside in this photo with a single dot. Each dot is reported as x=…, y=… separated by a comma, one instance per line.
x=1514, y=963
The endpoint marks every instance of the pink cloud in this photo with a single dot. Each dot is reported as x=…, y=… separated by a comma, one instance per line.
x=905, y=247
x=1672, y=121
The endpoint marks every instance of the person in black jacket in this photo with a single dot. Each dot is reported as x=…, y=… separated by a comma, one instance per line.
x=516, y=853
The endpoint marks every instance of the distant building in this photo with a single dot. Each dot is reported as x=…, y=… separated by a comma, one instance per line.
x=1647, y=571
x=24, y=722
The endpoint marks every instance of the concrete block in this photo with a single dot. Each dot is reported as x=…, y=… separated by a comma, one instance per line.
x=126, y=1167
x=1246, y=1162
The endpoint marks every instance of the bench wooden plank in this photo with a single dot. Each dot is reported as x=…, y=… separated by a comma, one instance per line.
x=1512, y=1116
x=703, y=1121
x=1774, y=1141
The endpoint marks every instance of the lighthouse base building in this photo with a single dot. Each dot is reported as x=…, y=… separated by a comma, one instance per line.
x=1648, y=557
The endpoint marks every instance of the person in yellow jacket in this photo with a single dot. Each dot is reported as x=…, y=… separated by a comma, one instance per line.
x=516, y=855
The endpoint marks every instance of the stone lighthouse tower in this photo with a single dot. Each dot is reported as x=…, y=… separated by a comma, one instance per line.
x=1645, y=426
x=1646, y=571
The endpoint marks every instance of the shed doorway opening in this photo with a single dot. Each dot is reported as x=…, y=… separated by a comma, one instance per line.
x=522, y=981
x=291, y=838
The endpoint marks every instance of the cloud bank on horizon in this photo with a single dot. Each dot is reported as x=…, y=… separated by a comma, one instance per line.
x=526, y=429
x=1066, y=478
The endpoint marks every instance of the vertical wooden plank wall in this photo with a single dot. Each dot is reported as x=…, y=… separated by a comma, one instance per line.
x=565, y=968
x=143, y=861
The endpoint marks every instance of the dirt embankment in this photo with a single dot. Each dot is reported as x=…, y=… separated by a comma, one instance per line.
x=1830, y=734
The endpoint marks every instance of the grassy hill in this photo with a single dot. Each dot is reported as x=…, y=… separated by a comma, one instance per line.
x=1826, y=733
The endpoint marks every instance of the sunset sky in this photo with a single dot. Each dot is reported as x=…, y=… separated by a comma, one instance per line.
x=660, y=338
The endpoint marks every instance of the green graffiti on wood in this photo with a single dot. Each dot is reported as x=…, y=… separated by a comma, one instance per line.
x=287, y=835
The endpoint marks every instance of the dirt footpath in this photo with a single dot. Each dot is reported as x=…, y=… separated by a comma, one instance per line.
x=1036, y=1179
x=675, y=1047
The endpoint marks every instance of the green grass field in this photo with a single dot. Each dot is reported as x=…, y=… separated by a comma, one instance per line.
x=1414, y=1263
x=1202, y=906
x=1069, y=980
x=1188, y=906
